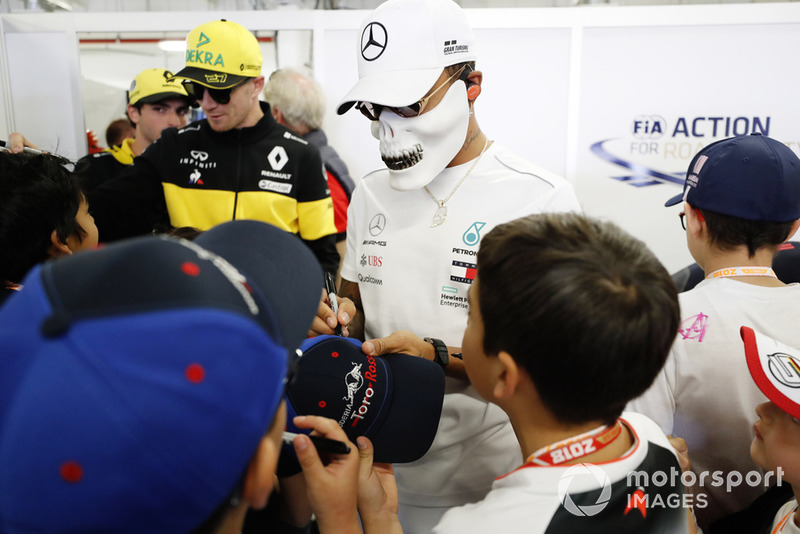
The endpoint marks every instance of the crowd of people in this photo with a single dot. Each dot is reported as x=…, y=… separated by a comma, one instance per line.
x=488, y=359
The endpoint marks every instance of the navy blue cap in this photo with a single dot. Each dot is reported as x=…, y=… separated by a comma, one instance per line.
x=394, y=400
x=752, y=177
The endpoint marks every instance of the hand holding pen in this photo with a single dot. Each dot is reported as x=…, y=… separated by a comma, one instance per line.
x=18, y=143
x=330, y=287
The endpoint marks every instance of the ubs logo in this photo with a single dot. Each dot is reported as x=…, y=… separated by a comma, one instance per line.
x=377, y=224
x=373, y=41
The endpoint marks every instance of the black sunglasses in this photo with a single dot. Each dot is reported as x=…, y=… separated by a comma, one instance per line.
x=372, y=111
x=220, y=96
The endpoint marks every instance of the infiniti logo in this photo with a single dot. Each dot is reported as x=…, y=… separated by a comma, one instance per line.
x=377, y=224
x=197, y=154
x=373, y=41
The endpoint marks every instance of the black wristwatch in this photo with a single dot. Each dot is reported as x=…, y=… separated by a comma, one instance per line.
x=441, y=357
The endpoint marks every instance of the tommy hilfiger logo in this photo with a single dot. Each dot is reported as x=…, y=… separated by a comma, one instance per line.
x=463, y=272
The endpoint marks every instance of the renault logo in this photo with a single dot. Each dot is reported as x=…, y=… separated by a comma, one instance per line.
x=373, y=41
x=377, y=224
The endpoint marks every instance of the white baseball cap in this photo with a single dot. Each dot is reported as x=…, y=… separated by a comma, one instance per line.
x=775, y=367
x=403, y=47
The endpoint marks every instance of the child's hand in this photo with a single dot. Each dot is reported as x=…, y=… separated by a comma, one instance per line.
x=377, y=492
x=332, y=487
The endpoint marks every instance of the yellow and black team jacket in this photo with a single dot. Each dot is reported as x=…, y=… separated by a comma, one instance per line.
x=198, y=177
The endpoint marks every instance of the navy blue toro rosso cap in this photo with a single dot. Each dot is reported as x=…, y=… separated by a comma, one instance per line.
x=752, y=177
x=137, y=380
x=394, y=400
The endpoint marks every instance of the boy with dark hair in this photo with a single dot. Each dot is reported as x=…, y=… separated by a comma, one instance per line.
x=43, y=214
x=569, y=319
x=741, y=201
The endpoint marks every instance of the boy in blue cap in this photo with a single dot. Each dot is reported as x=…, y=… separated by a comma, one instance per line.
x=741, y=200
x=142, y=384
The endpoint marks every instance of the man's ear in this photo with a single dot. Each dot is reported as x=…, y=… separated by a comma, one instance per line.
x=57, y=248
x=258, y=85
x=260, y=476
x=277, y=115
x=133, y=114
x=695, y=224
x=508, y=376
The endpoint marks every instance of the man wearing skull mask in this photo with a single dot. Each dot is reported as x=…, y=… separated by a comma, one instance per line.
x=414, y=229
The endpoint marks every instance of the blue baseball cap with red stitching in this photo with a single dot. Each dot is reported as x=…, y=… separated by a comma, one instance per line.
x=395, y=400
x=136, y=381
x=752, y=177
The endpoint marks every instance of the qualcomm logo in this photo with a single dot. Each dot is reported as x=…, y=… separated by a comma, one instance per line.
x=587, y=475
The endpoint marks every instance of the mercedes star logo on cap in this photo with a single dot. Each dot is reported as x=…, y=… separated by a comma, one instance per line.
x=373, y=41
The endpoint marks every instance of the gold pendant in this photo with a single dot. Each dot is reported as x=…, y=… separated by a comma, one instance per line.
x=439, y=216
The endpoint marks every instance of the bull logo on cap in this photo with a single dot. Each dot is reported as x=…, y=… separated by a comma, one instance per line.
x=373, y=41
x=785, y=369
x=353, y=382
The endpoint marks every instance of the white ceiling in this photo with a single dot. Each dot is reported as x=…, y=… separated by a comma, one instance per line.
x=100, y=6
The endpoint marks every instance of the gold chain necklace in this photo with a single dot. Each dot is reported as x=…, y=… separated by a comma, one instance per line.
x=441, y=212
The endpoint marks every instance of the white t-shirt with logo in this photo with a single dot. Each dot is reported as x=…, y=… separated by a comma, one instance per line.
x=705, y=393
x=415, y=277
x=628, y=495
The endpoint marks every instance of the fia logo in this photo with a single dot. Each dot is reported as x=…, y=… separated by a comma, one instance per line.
x=649, y=126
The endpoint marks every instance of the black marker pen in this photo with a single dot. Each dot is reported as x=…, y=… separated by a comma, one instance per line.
x=321, y=444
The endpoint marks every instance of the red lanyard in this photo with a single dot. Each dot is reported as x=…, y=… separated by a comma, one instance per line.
x=753, y=270
x=576, y=447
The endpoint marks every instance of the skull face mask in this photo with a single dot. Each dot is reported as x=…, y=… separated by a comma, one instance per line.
x=416, y=149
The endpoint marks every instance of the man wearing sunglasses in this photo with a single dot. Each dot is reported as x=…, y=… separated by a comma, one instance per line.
x=237, y=163
x=414, y=228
